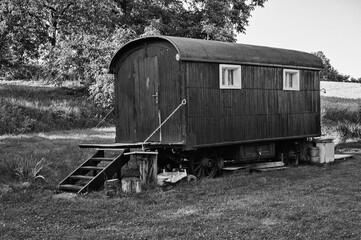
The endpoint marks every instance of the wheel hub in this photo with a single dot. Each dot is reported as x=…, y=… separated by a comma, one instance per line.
x=207, y=162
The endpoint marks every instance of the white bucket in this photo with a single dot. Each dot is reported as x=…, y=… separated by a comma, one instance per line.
x=313, y=151
x=315, y=159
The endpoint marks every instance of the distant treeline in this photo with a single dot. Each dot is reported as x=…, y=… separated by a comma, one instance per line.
x=329, y=73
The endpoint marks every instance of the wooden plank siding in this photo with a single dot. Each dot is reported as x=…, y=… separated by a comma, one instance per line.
x=170, y=95
x=260, y=110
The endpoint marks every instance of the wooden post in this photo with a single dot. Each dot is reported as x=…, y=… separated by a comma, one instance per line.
x=148, y=166
x=126, y=185
x=131, y=184
x=137, y=187
x=148, y=169
x=111, y=187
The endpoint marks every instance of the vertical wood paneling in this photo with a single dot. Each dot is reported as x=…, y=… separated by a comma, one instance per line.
x=134, y=95
x=260, y=110
x=170, y=95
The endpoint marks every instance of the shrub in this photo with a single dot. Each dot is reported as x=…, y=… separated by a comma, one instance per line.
x=102, y=91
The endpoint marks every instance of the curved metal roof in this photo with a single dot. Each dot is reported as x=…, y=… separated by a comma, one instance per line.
x=190, y=49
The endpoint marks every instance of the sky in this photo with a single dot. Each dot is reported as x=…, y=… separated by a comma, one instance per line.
x=330, y=26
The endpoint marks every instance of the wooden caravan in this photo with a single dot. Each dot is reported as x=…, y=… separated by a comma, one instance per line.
x=241, y=103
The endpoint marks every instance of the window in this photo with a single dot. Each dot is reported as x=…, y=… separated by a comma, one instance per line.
x=229, y=76
x=291, y=79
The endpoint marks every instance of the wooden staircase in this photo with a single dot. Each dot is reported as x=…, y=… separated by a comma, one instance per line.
x=92, y=174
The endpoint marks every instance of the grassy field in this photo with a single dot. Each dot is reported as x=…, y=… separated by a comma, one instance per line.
x=307, y=202
x=341, y=90
x=341, y=110
x=304, y=202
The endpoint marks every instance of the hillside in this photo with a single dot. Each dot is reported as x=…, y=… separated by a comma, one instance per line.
x=341, y=90
x=341, y=110
x=35, y=107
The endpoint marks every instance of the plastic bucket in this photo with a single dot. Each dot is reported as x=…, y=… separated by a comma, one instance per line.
x=313, y=152
x=315, y=159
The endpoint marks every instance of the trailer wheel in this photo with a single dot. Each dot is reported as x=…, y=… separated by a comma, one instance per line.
x=205, y=164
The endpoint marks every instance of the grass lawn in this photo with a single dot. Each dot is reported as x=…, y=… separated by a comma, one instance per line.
x=306, y=202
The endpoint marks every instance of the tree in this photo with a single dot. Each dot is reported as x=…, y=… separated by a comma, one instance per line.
x=206, y=19
x=65, y=39
x=329, y=73
x=20, y=35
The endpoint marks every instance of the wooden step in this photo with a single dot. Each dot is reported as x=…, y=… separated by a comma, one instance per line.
x=267, y=165
x=343, y=156
x=254, y=166
x=70, y=187
x=82, y=177
x=101, y=173
x=91, y=168
x=110, y=149
x=268, y=169
x=232, y=168
x=99, y=159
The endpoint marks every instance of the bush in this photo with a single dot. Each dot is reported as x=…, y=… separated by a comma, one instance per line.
x=102, y=91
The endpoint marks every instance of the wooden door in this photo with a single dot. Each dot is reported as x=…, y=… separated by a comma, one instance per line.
x=146, y=81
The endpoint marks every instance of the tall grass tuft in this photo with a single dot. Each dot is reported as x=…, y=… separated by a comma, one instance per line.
x=348, y=130
x=27, y=169
x=340, y=109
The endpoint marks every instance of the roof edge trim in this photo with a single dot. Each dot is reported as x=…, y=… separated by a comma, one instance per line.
x=186, y=53
x=124, y=46
x=248, y=63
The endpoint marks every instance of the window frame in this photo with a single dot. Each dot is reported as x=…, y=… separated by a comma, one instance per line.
x=295, y=82
x=237, y=76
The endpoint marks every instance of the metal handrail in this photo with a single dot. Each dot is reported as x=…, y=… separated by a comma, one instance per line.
x=183, y=102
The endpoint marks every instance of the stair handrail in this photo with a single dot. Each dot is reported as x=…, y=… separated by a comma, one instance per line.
x=183, y=102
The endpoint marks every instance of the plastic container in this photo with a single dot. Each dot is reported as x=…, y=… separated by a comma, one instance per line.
x=326, y=149
x=313, y=151
x=315, y=159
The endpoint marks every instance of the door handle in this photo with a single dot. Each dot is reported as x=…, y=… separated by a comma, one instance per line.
x=156, y=97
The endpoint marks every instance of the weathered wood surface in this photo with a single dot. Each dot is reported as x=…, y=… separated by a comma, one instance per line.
x=131, y=185
x=112, y=187
x=260, y=110
x=143, y=73
x=148, y=169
